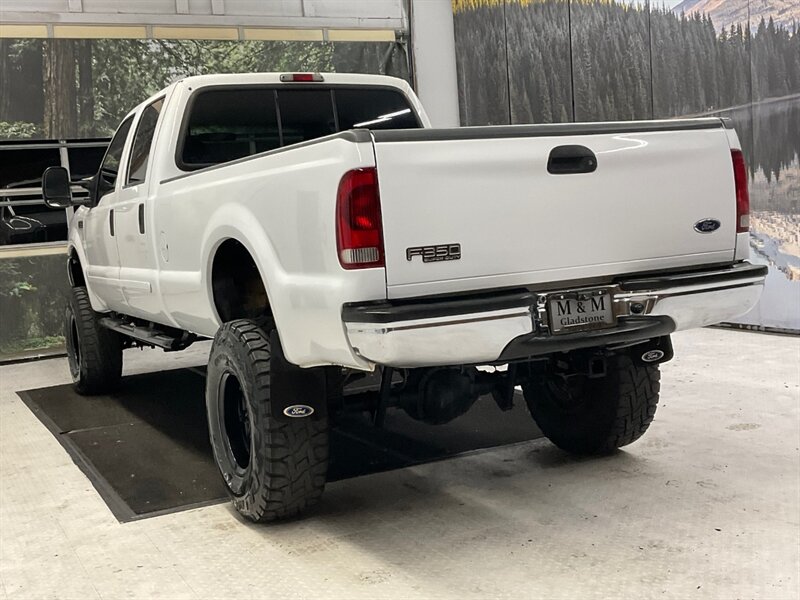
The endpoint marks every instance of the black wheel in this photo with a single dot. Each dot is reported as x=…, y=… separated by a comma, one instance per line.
x=273, y=469
x=586, y=415
x=94, y=352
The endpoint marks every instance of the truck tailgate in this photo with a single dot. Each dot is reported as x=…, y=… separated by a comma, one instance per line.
x=488, y=189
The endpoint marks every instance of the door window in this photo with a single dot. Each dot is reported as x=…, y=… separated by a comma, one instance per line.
x=110, y=167
x=143, y=142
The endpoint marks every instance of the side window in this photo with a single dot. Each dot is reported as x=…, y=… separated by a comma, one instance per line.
x=142, y=143
x=110, y=166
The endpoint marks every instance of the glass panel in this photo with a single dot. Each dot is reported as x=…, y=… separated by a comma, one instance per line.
x=110, y=167
x=142, y=142
x=100, y=90
x=84, y=161
x=381, y=58
x=373, y=109
x=26, y=220
x=228, y=124
x=305, y=115
x=539, y=61
x=21, y=168
x=32, y=302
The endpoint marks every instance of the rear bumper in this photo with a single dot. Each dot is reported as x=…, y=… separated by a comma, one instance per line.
x=514, y=325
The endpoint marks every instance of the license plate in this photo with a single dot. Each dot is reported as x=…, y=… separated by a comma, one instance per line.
x=580, y=311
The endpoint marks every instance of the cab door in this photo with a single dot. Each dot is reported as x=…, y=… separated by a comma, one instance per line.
x=102, y=270
x=134, y=234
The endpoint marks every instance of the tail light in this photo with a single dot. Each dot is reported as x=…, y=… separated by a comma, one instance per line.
x=302, y=78
x=359, y=231
x=742, y=194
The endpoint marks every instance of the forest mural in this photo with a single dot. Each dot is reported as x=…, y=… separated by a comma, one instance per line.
x=544, y=61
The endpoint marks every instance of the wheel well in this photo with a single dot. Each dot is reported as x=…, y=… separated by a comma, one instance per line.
x=75, y=270
x=238, y=289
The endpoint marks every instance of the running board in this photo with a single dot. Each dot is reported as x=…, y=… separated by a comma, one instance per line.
x=150, y=335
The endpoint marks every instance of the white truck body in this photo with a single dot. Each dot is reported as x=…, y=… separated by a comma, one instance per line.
x=147, y=248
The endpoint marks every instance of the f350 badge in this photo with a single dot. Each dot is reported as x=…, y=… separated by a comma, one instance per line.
x=435, y=253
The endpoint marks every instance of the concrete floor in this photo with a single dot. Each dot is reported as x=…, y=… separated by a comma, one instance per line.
x=706, y=505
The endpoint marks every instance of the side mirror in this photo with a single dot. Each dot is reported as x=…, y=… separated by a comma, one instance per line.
x=56, y=187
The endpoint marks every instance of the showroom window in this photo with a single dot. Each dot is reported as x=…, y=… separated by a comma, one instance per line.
x=24, y=218
x=142, y=142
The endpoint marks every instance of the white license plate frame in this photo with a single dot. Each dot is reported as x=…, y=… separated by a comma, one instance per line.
x=582, y=310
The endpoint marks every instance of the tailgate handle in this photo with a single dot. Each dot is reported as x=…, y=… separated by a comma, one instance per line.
x=566, y=160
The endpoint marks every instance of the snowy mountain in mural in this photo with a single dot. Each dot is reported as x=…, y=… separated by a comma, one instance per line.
x=725, y=13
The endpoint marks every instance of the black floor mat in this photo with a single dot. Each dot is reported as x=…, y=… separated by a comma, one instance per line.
x=146, y=449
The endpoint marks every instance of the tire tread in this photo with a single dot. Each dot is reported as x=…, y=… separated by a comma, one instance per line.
x=289, y=459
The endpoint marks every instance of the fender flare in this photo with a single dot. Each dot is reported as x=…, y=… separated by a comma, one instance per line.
x=240, y=225
x=74, y=245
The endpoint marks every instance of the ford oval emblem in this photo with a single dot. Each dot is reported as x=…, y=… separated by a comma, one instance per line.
x=298, y=410
x=707, y=226
x=652, y=356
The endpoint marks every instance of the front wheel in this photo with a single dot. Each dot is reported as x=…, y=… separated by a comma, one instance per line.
x=586, y=415
x=94, y=352
x=272, y=469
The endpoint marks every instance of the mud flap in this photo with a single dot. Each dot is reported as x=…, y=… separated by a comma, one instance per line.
x=295, y=393
x=653, y=352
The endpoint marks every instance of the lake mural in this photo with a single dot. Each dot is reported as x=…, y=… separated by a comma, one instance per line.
x=592, y=60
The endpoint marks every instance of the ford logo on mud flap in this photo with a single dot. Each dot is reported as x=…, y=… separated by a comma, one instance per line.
x=652, y=356
x=298, y=410
x=707, y=226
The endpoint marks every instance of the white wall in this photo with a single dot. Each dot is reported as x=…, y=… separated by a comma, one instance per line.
x=434, y=51
x=384, y=14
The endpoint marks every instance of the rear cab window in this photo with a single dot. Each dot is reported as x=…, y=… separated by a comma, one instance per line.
x=226, y=123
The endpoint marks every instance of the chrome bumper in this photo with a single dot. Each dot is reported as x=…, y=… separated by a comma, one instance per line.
x=514, y=325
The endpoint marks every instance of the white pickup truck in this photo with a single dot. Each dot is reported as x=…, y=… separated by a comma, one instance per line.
x=316, y=227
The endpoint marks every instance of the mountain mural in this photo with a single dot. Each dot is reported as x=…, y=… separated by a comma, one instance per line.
x=725, y=13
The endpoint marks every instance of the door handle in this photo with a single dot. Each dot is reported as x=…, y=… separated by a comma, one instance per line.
x=567, y=160
x=141, y=218
x=111, y=221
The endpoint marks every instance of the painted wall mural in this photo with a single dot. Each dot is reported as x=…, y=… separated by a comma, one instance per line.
x=544, y=61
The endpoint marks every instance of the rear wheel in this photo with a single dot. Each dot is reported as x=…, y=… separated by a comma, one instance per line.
x=272, y=469
x=586, y=415
x=94, y=352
